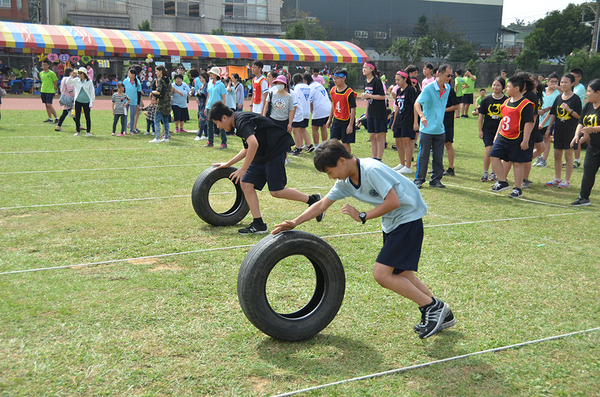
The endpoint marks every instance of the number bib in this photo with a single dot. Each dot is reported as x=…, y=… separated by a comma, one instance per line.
x=510, y=126
x=341, y=106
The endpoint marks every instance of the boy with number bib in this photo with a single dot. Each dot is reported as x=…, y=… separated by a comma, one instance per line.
x=401, y=208
x=343, y=111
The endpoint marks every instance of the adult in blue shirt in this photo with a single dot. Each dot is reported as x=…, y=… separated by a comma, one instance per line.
x=133, y=90
x=216, y=93
x=431, y=107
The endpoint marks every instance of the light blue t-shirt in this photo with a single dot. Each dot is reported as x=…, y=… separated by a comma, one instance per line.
x=177, y=99
x=215, y=92
x=547, y=102
x=375, y=180
x=433, y=103
x=230, y=98
x=197, y=84
x=580, y=92
x=131, y=90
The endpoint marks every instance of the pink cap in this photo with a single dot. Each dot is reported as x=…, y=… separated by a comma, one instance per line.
x=280, y=79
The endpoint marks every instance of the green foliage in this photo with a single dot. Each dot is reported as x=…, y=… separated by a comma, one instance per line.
x=443, y=35
x=529, y=59
x=145, y=26
x=67, y=22
x=409, y=50
x=499, y=55
x=305, y=29
x=559, y=33
x=34, y=8
x=589, y=62
x=471, y=65
x=297, y=32
x=220, y=32
x=463, y=51
x=421, y=27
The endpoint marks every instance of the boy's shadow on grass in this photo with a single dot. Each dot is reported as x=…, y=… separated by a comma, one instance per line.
x=323, y=354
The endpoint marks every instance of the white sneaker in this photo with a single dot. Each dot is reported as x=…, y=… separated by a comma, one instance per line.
x=406, y=170
x=398, y=167
x=88, y=134
x=203, y=137
x=147, y=133
x=198, y=138
x=76, y=134
x=165, y=140
x=154, y=141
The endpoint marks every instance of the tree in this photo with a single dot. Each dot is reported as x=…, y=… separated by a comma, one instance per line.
x=471, y=65
x=409, y=51
x=67, y=22
x=144, y=26
x=305, y=29
x=34, y=11
x=421, y=27
x=528, y=59
x=559, y=33
x=499, y=55
x=220, y=32
x=463, y=51
x=589, y=62
x=443, y=35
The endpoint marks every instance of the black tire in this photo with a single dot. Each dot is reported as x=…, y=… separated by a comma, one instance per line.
x=201, y=204
x=322, y=307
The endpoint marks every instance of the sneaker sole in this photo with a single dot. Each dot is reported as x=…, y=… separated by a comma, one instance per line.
x=501, y=190
x=444, y=326
x=439, y=324
x=258, y=232
x=582, y=205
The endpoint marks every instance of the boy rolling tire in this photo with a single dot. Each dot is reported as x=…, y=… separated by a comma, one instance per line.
x=201, y=203
x=322, y=306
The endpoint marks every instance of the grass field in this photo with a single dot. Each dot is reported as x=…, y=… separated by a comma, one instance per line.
x=150, y=324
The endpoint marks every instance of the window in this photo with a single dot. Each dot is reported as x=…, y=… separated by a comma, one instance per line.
x=361, y=34
x=381, y=35
x=4, y=3
x=169, y=8
x=182, y=9
x=157, y=8
x=245, y=9
x=194, y=9
x=100, y=5
x=19, y=4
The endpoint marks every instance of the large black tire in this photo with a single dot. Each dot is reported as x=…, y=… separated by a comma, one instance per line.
x=201, y=204
x=322, y=307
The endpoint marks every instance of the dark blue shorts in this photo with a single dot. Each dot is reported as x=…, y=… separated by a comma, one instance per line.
x=282, y=123
x=376, y=125
x=338, y=131
x=271, y=172
x=488, y=138
x=402, y=247
x=510, y=152
x=404, y=133
x=319, y=122
x=467, y=98
x=47, y=97
x=300, y=124
x=562, y=140
x=449, y=135
x=180, y=114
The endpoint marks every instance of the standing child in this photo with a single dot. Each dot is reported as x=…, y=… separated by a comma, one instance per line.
x=120, y=101
x=566, y=111
x=405, y=123
x=163, y=106
x=265, y=148
x=149, y=112
x=548, y=97
x=489, y=119
x=401, y=208
x=260, y=87
x=66, y=99
x=179, y=102
x=202, y=94
x=482, y=95
x=216, y=92
x=376, y=110
x=282, y=105
x=458, y=86
x=468, y=89
x=320, y=107
x=302, y=91
x=343, y=111
x=589, y=130
x=512, y=137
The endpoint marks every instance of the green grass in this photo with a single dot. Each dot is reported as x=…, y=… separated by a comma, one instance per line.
x=172, y=325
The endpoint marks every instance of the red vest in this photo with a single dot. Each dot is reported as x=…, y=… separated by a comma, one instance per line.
x=341, y=105
x=510, y=126
x=257, y=90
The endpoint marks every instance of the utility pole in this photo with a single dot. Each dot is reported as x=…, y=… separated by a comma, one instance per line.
x=596, y=23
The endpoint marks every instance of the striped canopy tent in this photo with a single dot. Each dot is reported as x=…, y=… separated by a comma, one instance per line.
x=77, y=40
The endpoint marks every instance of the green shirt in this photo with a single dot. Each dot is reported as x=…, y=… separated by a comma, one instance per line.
x=478, y=102
x=48, y=78
x=471, y=85
x=459, y=81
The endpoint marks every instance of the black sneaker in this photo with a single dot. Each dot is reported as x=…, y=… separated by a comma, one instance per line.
x=319, y=197
x=48, y=121
x=56, y=121
x=309, y=149
x=253, y=229
x=418, y=184
x=580, y=202
x=526, y=183
x=516, y=193
x=449, y=171
x=500, y=186
x=433, y=318
x=296, y=152
x=438, y=184
x=576, y=164
x=449, y=321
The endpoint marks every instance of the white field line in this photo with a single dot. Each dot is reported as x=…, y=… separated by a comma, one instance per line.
x=246, y=246
x=506, y=196
x=92, y=150
x=102, y=169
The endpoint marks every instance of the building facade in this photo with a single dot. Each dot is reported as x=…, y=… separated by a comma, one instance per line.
x=14, y=10
x=238, y=17
x=479, y=21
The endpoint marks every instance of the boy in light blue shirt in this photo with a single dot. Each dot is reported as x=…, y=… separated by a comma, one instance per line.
x=431, y=107
x=399, y=204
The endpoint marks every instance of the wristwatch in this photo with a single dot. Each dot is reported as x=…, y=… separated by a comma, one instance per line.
x=363, y=217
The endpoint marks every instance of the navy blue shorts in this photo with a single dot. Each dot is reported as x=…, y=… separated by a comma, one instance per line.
x=467, y=98
x=271, y=172
x=404, y=133
x=510, y=152
x=488, y=139
x=338, y=131
x=562, y=140
x=300, y=124
x=47, y=97
x=449, y=135
x=282, y=123
x=402, y=247
x=376, y=125
x=180, y=114
x=537, y=135
x=319, y=122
